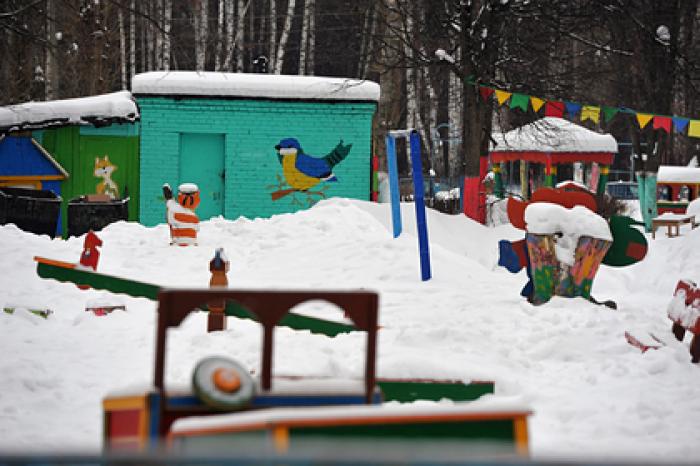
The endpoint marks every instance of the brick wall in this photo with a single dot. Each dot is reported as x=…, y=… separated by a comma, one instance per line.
x=252, y=128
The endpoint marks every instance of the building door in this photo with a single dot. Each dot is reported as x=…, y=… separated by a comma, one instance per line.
x=202, y=163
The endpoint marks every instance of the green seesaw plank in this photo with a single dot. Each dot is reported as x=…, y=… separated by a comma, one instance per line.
x=295, y=321
x=65, y=272
x=97, y=280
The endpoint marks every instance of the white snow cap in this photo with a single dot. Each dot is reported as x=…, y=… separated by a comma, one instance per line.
x=249, y=85
x=118, y=106
x=550, y=134
x=674, y=174
x=544, y=218
x=188, y=188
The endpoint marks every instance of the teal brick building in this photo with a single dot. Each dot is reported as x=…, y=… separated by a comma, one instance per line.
x=220, y=131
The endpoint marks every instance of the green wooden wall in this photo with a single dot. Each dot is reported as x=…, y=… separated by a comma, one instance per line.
x=251, y=129
x=76, y=147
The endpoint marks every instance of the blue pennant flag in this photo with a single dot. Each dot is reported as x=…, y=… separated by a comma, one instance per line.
x=572, y=108
x=680, y=123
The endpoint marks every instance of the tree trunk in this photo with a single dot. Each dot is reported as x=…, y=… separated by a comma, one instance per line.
x=201, y=21
x=167, y=23
x=122, y=48
x=159, y=34
x=279, y=62
x=239, y=33
x=51, y=76
x=311, y=52
x=273, y=36
x=220, y=37
x=304, y=39
x=132, y=39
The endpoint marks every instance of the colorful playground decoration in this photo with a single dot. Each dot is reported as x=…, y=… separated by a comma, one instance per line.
x=90, y=255
x=676, y=187
x=558, y=109
x=227, y=405
x=418, y=195
x=301, y=172
x=684, y=311
x=184, y=223
x=104, y=169
x=218, y=267
x=565, y=243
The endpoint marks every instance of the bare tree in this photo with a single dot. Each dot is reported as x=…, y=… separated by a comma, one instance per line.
x=281, y=46
x=201, y=25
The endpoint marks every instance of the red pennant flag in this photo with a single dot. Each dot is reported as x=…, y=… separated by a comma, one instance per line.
x=661, y=122
x=485, y=92
x=554, y=108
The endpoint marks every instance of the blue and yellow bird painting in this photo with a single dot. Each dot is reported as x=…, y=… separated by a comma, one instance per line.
x=302, y=171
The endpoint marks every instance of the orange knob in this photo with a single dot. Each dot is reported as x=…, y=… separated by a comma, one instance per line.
x=226, y=380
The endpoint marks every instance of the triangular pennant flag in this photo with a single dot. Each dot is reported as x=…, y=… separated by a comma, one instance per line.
x=609, y=112
x=502, y=96
x=485, y=92
x=590, y=112
x=662, y=122
x=680, y=123
x=554, y=108
x=643, y=119
x=694, y=129
x=572, y=109
x=537, y=103
x=519, y=101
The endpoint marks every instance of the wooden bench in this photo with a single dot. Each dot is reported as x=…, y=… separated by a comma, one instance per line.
x=672, y=222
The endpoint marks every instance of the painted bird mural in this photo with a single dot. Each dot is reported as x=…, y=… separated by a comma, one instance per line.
x=302, y=171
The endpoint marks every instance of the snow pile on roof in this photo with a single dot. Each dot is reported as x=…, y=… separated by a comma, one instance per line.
x=543, y=218
x=673, y=174
x=253, y=85
x=551, y=134
x=99, y=110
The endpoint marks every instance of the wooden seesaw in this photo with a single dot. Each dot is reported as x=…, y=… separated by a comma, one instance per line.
x=67, y=272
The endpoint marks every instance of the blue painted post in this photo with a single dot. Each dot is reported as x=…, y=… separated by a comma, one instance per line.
x=394, y=185
x=418, y=194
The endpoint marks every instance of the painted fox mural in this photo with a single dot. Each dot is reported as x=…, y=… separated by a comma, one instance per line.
x=104, y=169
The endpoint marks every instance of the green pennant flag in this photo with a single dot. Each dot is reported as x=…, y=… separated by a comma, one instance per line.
x=609, y=112
x=519, y=101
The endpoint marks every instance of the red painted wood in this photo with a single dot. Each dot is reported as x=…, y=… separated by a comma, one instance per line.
x=124, y=423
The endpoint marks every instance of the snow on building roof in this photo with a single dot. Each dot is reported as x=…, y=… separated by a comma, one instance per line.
x=253, y=85
x=551, y=134
x=99, y=110
x=673, y=174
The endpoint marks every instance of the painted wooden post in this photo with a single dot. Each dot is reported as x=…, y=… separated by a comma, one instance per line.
x=602, y=179
x=218, y=267
x=394, y=185
x=498, y=190
x=419, y=202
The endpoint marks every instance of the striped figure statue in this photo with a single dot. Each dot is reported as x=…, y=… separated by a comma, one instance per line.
x=184, y=223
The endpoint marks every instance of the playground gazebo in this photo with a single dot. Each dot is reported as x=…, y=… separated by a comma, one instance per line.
x=552, y=141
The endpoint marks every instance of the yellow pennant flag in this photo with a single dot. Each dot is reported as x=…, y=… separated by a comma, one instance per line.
x=537, y=103
x=502, y=96
x=590, y=112
x=643, y=119
x=694, y=128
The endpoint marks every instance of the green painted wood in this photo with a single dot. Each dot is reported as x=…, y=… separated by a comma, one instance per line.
x=202, y=163
x=493, y=430
x=251, y=129
x=147, y=290
x=296, y=321
x=407, y=391
x=98, y=281
x=75, y=148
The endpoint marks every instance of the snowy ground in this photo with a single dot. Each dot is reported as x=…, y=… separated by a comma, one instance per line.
x=593, y=395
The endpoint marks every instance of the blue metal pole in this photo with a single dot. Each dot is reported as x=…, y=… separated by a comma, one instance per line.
x=394, y=185
x=418, y=193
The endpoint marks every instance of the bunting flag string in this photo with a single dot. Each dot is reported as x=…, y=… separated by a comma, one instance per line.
x=559, y=108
